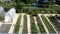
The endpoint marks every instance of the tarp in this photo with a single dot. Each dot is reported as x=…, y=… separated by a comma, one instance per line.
x=10, y=15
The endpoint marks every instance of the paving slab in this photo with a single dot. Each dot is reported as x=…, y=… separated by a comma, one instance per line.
x=5, y=28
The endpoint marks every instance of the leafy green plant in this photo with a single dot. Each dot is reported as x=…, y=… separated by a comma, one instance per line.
x=33, y=26
x=17, y=26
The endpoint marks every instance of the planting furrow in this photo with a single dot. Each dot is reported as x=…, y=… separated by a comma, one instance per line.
x=33, y=26
x=25, y=25
x=21, y=24
x=50, y=28
x=40, y=25
x=17, y=26
x=37, y=26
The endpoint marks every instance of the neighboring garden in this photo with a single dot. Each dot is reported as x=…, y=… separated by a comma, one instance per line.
x=20, y=4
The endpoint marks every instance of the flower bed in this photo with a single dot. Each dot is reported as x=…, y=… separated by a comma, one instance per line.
x=48, y=25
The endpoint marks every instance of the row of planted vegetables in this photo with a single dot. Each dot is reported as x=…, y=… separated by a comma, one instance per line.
x=54, y=20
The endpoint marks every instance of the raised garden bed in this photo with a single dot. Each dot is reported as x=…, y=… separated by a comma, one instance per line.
x=25, y=25
x=55, y=23
x=17, y=26
x=41, y=27
x=33, y=26
x=48, y=25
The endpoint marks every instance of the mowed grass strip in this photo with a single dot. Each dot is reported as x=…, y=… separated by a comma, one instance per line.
x=40, y=25
x=25, y=25
x=50, y=28
x=33, y=26
x=17, y=26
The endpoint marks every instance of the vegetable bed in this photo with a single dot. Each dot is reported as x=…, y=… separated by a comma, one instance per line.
x=41, y=27
x=50, y=28
x=55, y=23
x=25, y=25
x=17, y=26
x=33, y=26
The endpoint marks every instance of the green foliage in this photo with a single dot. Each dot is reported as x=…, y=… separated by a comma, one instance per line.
x=19, y=6
x=25, y=30
x=7, y=6
x=1, y=18
x=17, y=25
x=40, y=25
x=33, y=26
x=50, y=28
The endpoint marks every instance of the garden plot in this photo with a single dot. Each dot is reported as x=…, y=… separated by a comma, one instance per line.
x=25, y=25
x=48, y=25
x=55, y=22
x=5, y=28
x=40, y=25
x=17, y=26
x=33, y=26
